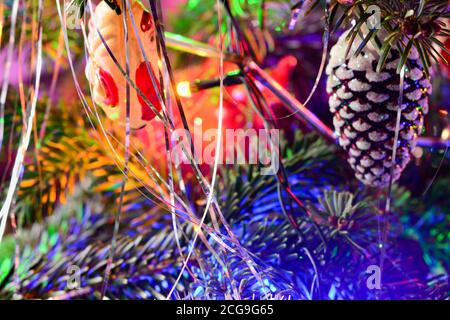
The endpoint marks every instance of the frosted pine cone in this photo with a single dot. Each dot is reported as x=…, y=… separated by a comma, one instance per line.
x=364, y=104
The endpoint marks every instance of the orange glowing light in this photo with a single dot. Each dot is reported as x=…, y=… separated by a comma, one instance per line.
x=443, y=112
x=184, y=89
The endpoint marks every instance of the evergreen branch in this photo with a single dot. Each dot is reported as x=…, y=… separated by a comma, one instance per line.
x=76, y=235
x=416, y=21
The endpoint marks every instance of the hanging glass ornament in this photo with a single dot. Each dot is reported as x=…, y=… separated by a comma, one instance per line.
x=107, y=80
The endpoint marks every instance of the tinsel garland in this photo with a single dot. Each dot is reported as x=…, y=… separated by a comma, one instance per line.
x=326, y=257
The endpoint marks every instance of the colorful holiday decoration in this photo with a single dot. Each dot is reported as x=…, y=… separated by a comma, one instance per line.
x=103, y=213
x=364, y=104
x=107, y=46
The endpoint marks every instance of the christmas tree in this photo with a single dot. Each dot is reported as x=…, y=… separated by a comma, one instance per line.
x=186, y=149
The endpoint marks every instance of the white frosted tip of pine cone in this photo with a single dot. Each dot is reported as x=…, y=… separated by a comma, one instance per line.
x=386, y=177
x=413, y=54
x=366, y=179
x=334, y=103
x=344, y=73
x=377, y=117
x=414, y=95
x=360, y=169
x=366, y=162
x=391, y=126
x=343, y=141
x=408, y=134
x=328, y=70
x=332, y=82
x=414, y=74
x=358, y=86
x=354, y=152
x=361, y=126
x=369, y=178
x=394, y=107
x=350, y=133
x=377, y=76
x=363, y=144
x=419, y=123
x=411, y=116
x=377, y=136
x=377, y=171
x=377, y=155
x=359, y=107
x=424, y=104
x=377, y=97
x=360, y=63
x=343, y=94
x=392, y=65
x=377, y=183
x=425, y=83
x=387, y=164
x=337, y=56
x=338, y=122
x=346, y=115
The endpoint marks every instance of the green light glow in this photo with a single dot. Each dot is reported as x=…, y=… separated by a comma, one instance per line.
x=5, y=266
x=236, y=5
x=114, y=115
x=192, y=4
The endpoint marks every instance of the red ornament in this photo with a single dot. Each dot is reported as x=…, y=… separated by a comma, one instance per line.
x=107, y=80
x=109, y=85
x=144, y=83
